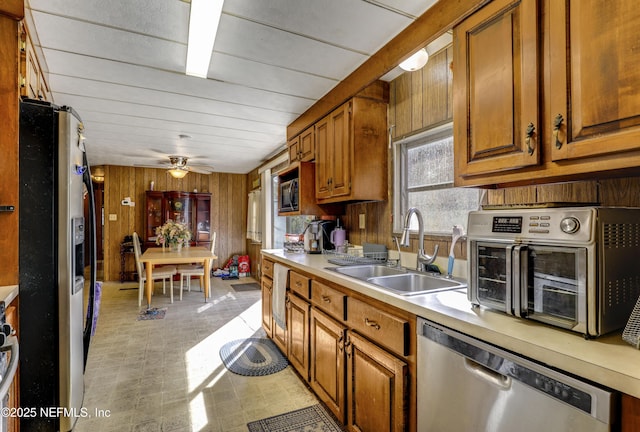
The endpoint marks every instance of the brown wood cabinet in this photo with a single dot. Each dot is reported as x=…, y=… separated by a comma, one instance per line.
x=298, y=314
x=328, y=367
x=33, y=83
x=594, y=84
x=373, y=371
x=280, y=335
x=303, y=147
x=190, y=208
x=556, y=103
x=351, y=152
x=11, y=11
x=496, y=90
x=355, y=354
x=267, y=311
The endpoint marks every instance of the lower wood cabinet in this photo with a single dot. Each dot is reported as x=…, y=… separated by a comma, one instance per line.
x=280, y=334
x=377, y=387
x=267, y=313
x=298, y=311
x=327, y=374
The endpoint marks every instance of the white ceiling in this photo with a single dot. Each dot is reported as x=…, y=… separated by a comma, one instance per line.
x=120, y=64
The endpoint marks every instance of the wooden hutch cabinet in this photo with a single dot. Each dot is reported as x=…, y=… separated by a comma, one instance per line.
x=192, y=209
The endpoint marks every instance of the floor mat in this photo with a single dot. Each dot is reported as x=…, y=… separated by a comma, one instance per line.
x=311, y=419
x=252, y=357
x=246, y=286
x=152, y=314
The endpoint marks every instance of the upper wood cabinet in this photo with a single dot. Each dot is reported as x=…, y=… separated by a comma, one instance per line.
x=351, y=152
x=546, y=91
x=303, y=147
x=594, y=83
x=496, y=89
x=32, y=78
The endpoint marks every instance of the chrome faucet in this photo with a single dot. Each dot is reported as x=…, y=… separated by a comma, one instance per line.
x=422, y=260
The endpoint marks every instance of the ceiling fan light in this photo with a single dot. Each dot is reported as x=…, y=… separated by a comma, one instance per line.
x=416, y=61
x=203, y=26
x=178, y=172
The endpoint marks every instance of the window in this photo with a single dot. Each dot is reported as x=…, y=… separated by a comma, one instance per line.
x=424, y=179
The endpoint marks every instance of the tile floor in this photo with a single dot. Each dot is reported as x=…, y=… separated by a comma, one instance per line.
x=166, y=375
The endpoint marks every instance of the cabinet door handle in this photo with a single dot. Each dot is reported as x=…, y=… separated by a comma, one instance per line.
x=372, y=323
x=326, y=299
x=557, y=123
x=298, y=284
x=528, y=134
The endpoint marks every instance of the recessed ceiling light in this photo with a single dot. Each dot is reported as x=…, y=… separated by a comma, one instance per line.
x=203, y=26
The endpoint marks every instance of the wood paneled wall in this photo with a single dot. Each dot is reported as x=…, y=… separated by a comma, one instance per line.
x=422, y=99
x=228, y=208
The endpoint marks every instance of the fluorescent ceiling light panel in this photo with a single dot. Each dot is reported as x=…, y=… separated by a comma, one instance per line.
x=203, y=26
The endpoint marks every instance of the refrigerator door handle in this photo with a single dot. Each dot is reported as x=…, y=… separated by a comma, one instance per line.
x=92, y=311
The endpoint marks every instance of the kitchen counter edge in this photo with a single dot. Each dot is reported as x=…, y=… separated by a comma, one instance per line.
x=606, y=360
x=8, y=293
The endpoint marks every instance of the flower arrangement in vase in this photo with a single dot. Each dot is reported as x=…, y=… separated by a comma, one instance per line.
x=173, y=234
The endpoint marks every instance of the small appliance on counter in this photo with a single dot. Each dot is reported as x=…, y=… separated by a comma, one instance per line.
x=317, y=236
x=339, y=238
x=571, y=267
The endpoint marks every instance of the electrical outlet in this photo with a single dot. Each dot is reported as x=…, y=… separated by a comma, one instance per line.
x=113, y=217
x=362, y=221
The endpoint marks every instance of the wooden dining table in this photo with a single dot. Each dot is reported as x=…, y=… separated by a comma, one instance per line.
x=187, y=255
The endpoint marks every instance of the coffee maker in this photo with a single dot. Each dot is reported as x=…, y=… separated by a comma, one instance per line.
x=317, y=236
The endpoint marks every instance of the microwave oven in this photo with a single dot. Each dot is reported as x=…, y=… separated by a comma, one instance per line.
x=288, y=198
x=574, y=268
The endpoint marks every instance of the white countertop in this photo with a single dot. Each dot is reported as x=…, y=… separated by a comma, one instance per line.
x=606, y=360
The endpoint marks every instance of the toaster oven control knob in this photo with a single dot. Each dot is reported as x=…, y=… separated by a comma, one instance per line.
x=569, y=225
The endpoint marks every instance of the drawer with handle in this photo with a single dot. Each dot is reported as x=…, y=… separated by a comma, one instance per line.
x=267, y=268
x=328, y=299
x=381, y=327
x=300, y=284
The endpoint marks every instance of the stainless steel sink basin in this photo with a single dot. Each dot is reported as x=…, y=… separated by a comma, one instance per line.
x=415, y=283
x=368, y=271
x=399, y=280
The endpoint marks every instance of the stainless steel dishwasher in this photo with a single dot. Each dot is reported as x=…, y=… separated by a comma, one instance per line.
x=465, y=385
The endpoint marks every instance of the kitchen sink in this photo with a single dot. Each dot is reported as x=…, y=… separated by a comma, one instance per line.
x=415, y=283
x=368, y=271
x=399, y=280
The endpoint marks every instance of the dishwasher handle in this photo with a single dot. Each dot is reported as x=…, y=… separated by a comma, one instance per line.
x=481, y=371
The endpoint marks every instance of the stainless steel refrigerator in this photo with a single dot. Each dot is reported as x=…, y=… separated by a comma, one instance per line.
x=56, y=240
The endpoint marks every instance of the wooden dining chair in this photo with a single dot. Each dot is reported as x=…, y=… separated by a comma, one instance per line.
x=159, y=273
x=189, y=270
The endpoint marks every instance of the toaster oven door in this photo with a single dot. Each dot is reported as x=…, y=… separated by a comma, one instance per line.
x=491, y=275
x=555, y=286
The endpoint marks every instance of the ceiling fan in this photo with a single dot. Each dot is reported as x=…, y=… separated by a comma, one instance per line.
x=179, y=167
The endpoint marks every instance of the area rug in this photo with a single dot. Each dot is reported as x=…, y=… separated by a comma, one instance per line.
x=246, y=286
x=152, y=314
x=310, y=419
x=253, y=357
